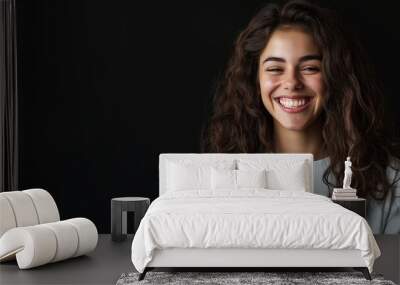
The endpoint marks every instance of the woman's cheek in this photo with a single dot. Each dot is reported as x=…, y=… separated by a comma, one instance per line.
x=267, y=89
x=318, y=88
x=317, y=85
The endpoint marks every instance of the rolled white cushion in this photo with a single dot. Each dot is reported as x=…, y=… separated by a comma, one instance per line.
x=7, y=218
x=26, y=208
x=87, y=234
x=67, y=240
x=45, y=243
x=23, y=208
x=45, y=205
x=33, y=246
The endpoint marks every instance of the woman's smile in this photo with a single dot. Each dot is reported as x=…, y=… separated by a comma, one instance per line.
x=293, y=104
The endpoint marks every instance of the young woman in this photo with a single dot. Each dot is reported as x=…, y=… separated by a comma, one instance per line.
x=298, y=83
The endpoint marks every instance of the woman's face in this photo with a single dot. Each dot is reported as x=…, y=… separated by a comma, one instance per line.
x=290, y=77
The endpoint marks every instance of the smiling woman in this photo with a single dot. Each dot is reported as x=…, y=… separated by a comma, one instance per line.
x=299, y=82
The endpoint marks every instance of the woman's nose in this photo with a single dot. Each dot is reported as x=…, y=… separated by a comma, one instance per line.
x=292, y=81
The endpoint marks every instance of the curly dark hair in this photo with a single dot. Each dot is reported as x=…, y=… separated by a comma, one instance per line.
x=353, y=123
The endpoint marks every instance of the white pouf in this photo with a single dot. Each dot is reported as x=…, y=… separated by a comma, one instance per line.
x=31, y=232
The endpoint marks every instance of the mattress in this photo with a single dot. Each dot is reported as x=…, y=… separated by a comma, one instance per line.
x=250, y=218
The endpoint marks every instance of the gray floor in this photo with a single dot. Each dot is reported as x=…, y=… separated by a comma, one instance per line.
x=389, y=262
x=103, y=266
x=111, y=259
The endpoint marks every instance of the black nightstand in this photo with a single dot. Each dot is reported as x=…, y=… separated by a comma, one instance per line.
x=357, y=205
x=119, y=209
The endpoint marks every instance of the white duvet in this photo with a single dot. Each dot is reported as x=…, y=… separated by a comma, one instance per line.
x=250, y=218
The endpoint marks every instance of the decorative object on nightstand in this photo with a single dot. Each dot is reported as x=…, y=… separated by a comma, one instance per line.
x=345, y=193
x=347, y=196
x=357, y=205
x=119, y=209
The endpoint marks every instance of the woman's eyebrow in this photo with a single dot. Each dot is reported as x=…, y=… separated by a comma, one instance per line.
x=302, y=59
x=310, y=57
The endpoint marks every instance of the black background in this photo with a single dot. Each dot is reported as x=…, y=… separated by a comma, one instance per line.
x=106, y=86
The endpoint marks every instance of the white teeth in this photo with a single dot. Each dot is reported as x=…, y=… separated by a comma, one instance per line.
x=292, y=103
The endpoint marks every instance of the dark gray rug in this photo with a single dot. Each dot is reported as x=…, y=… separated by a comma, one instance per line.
x=229, y=278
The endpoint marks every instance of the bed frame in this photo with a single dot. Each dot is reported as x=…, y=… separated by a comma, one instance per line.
x=240, y=258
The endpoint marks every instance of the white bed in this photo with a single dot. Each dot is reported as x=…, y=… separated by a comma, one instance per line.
x=249, y=227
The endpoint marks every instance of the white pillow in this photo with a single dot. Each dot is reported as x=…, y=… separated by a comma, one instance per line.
x=281, y=174
x=187, y=177
x=223, y=179
x=191, y=174
x=251, y=178
x=236, y=179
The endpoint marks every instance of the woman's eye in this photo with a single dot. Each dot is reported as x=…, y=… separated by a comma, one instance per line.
x=310, y=69
x=274, y=70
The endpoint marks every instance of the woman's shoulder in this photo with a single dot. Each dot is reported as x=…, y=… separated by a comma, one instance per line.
x=393, y=174
x=321, y=163
x=392, y=202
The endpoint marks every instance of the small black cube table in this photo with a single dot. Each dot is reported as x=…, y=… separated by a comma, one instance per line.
x=119, y=209
x=357, y=205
